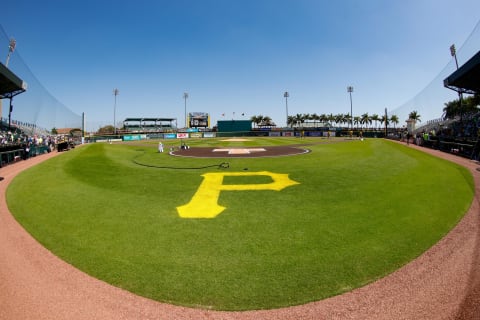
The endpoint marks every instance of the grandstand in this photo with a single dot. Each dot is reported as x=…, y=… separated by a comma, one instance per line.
x=145, y=125
x=458, y=134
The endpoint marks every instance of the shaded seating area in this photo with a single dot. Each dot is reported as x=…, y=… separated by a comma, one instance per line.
x=149, y=124
x=10, y=86
x=460, y=134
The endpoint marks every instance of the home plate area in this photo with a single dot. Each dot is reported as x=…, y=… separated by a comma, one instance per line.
x=274, y=151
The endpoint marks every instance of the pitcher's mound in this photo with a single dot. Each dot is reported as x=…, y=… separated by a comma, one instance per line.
x=239, y=152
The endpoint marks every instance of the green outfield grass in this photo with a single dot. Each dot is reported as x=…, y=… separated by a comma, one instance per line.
x=360, y=210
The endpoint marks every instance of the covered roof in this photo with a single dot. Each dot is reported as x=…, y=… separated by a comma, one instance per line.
x=10, y=84
x=466, y=78
x=149, y=119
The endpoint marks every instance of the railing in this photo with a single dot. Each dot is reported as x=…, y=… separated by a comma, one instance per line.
x=10, y=156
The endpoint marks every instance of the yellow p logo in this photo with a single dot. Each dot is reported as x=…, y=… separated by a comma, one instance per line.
x=204, y=203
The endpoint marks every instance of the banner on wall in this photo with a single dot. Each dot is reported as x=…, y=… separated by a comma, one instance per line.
x=274, y=134
x=182, y=135
x=134, y=137
x=209, y=134
x=195, y=135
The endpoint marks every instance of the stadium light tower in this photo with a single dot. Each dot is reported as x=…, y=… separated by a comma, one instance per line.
x=185, y=97
x=286, y=95
x=453, y=53
x=115, y=93
x=350, y=90
x=11, y=48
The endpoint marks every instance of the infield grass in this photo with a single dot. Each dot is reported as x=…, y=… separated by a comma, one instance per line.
x=360, y=211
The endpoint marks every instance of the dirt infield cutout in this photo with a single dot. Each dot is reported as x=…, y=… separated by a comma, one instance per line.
x=239, y=150
x=236, y=140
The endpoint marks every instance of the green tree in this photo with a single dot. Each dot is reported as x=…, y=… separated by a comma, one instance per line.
x=394, y=119
x=267, y=121
x=356, y=120
x=414, y=115
x=291, y=121
x=299, y=119
x=323, y=118
x=384, y=119
x=257, y=120
x=315, y=118
x=469, y=105
x=375, y=118
x=108, y=129
x=365, y=119
x=254, y=120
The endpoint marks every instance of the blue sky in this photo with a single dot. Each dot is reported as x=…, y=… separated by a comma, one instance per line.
x=236, y=56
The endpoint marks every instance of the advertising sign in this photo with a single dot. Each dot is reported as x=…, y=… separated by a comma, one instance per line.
x=182, y=135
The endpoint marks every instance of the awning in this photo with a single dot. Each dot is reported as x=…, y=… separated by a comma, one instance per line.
x=10, y=84
x=466, y=79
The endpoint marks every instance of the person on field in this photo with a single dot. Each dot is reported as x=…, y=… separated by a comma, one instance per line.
x=160, y=146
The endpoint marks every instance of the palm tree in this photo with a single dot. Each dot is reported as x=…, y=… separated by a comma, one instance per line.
x=315, y=118
x=307, y=116
x=331, y=119
x=254, y=119
x=356, y=120
x=300, y=119
x=291, y=121
x=451, y=109
x=469, y=105
x=414, y=116
x=267, y=121
x=346, y=119
x=365, y=119
x=394, y=119
x=385, y=120
x=375, y=118
x=339, y=118
x=323, y=118
x=258, y=119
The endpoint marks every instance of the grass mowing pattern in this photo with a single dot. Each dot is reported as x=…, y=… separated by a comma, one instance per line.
x=361, y=210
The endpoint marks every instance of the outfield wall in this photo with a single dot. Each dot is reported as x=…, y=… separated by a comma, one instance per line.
x=321, y=133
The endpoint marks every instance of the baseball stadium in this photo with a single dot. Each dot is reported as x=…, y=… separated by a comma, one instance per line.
x=327, y=218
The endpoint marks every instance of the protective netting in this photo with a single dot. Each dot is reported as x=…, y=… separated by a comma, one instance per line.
x=35, y=109
x=430, y=102
x=38, y=108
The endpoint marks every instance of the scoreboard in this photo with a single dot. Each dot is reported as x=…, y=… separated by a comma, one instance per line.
x=198, y=120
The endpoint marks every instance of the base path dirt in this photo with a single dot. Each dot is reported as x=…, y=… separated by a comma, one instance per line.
x=443, y=283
